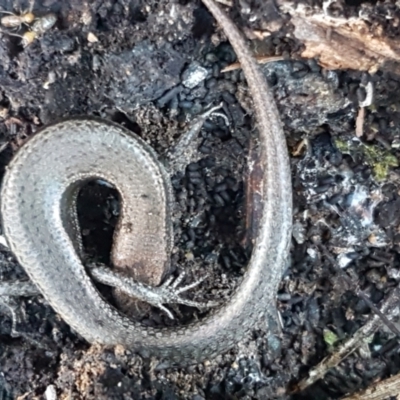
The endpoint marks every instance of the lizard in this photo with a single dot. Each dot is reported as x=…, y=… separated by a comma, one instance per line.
x=33, y=209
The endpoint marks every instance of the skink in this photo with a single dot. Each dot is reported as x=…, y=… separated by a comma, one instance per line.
x=37, y=198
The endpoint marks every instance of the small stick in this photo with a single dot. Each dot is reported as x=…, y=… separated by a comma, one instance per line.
x=360, y=122
x=360, y=293
x=259, y=59
x=389, y=308
x=227, y=3
x=379, y=391
x=361, y=111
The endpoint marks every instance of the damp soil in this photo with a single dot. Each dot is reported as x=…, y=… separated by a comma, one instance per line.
x=129, y=61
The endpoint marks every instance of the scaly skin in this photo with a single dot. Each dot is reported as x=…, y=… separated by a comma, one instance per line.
x=37, y=196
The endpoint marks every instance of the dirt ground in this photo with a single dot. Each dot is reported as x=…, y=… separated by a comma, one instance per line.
x=127, y=61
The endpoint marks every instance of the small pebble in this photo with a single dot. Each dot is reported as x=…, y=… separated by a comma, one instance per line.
x=50, y=393
x=193, y=75
x=92, y=38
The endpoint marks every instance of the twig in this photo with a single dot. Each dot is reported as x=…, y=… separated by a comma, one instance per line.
x=389, y=307
x=360, y=293
x=360, y=122
x=227, y=3
x=369, y=97
x=259, y=59
x=379, y=391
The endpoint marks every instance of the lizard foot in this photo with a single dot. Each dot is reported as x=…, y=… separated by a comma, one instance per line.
x=185, y=151
x=167, y=293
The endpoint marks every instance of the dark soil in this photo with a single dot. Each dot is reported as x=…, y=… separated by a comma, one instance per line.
x=346, y=195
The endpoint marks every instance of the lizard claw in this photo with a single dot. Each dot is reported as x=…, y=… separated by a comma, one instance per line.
x=167, y=293
x=170, y=294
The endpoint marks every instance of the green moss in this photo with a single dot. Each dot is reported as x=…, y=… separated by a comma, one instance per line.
x=330, y=338
x=344, y=146
x=380, y=160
